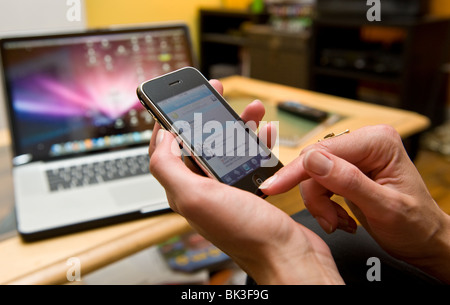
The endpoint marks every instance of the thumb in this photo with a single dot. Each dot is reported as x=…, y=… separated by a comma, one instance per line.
x=166, y=164
x=343, y=178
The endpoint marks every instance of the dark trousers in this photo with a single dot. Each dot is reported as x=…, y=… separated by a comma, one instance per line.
x=361, y=261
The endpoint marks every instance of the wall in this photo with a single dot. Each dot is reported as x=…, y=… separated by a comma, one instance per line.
x=440, y=7
x=102, y=13
x=38, y=16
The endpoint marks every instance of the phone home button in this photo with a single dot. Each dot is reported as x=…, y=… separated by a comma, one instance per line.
x=257, y=180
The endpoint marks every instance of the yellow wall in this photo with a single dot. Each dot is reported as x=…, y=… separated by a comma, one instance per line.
x=440, y=7
x=102, y=13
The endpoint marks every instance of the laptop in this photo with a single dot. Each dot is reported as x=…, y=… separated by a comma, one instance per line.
x=79, y=133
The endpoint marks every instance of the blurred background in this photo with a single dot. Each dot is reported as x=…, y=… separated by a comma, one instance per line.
x=328, y=46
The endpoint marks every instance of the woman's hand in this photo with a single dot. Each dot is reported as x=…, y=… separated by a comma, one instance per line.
x=370, y=168
x=263, y=240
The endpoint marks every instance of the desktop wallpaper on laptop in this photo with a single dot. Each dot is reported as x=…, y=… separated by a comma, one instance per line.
x=77, y=94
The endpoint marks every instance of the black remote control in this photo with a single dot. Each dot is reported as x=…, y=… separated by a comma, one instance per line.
x=303, y=111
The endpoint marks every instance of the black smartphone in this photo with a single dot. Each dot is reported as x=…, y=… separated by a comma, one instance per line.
x=225, y=148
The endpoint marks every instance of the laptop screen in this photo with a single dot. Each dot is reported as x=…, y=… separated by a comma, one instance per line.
x=75, y=94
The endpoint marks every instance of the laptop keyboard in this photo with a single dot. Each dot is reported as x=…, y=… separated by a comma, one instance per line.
x=98, y=172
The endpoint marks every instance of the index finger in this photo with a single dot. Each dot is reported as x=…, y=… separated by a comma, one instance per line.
x=368, y=148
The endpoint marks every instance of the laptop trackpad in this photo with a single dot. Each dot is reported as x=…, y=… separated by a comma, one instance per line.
x=139, y=192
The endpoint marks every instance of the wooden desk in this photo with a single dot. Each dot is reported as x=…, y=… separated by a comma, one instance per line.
x=44, y=262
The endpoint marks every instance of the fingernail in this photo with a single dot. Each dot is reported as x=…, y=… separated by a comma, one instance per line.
x=266, y=184
x=345, y=225
x=317, y=163
x=256, y=102
x=326, y=226
x=160, y=136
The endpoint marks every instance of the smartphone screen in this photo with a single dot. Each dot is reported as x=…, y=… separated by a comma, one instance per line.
x=213, y=133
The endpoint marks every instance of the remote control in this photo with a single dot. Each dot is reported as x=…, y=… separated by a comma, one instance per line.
x=303, y=111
